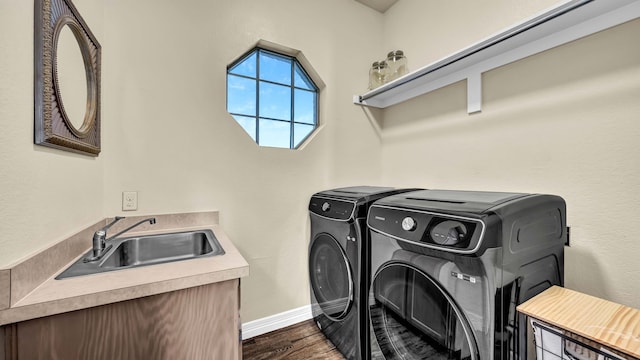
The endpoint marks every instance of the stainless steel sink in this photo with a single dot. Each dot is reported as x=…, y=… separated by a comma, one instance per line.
x=146, y=250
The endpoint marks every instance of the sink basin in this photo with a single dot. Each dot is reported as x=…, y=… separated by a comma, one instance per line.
x=146, y=250
x=158, y=249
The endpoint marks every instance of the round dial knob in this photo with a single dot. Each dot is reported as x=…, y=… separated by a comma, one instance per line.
x=408, y=224
x=326, y=206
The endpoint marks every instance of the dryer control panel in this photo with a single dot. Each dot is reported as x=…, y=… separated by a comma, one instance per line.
x=441, y=231
x=332, y=208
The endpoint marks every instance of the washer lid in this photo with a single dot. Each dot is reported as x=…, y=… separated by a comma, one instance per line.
x=344, y=204
x=358, y=192
x=450, y=200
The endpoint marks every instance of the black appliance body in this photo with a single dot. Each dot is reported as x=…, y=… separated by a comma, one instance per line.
x=338, y=269
x=448, y=269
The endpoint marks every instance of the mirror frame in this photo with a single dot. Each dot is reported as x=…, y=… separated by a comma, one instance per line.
x=52, y=125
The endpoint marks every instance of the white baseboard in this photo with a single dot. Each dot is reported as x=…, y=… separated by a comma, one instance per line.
x=275, y=322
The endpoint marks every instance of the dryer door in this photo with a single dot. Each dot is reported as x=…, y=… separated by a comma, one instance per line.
x=330, y=276
x=412, y=317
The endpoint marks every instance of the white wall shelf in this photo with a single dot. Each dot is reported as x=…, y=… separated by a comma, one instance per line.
x=570, y=21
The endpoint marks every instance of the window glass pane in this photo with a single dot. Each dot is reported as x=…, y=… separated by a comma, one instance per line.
x=275, y=68
x=300, y=132
x=246, y=67
x=272, y=98
x=241, y=95
x=248, y=124
x=274, y=133
x=304, y=106
x=301, y=79
x=275, y=101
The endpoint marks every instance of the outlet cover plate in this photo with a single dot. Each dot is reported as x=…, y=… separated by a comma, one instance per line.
x=129, y=200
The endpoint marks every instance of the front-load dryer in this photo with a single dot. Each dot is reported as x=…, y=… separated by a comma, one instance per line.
x=448, y=269
x=338, y=263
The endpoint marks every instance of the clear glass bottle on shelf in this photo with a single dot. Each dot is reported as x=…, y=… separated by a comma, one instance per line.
x=397, y=64
x=378, y=74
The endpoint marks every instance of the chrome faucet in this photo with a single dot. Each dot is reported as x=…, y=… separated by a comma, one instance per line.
x=100, y=239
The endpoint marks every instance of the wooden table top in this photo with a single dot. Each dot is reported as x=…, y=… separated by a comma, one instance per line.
x=613, y=325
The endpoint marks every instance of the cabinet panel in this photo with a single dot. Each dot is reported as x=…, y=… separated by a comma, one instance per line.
x=195, y=323
x=7, y=342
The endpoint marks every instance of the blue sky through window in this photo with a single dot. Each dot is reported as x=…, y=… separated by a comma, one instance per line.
x=246, y=67
x=272, y=99
x=248, y=124
x=275, y=101
x=241, y=95
x=275, y=68
x=302, y=80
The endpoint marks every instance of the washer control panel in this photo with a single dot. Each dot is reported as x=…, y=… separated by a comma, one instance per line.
x=449, y=232
x=433, y=229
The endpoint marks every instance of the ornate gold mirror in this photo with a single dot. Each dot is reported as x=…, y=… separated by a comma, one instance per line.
x=67, y=79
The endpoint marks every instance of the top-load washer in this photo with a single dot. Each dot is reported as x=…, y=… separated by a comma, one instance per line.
x=338, y=269
x=448, y=269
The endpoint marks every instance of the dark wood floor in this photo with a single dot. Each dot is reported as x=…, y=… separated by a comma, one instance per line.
x=301, y=341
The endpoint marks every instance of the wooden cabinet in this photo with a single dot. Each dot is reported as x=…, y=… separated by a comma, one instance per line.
x=195, y=323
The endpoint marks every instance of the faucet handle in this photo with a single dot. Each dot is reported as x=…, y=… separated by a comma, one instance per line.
x=106, y=227
x=100, y=239
x=151, y=221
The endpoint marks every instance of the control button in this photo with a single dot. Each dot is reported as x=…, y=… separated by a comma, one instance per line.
x=449, y=233
x=326, y=206
x=408, y=224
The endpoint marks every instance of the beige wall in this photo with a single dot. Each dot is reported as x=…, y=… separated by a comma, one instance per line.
x=45, y=194
x=430, y=30
x=170, y=138
x=563, y=122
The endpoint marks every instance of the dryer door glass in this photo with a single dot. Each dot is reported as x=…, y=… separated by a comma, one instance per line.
x=413, y=318
x=330, y=275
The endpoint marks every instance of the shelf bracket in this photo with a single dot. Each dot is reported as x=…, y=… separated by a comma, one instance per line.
x=474, y=93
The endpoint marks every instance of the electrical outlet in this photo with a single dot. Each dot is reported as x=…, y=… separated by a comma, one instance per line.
x=129, y=200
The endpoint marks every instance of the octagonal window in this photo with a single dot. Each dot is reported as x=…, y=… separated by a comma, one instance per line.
x=272, y=98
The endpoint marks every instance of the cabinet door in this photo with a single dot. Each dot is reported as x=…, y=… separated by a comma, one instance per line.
x=195, y=323
x=3, y=339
